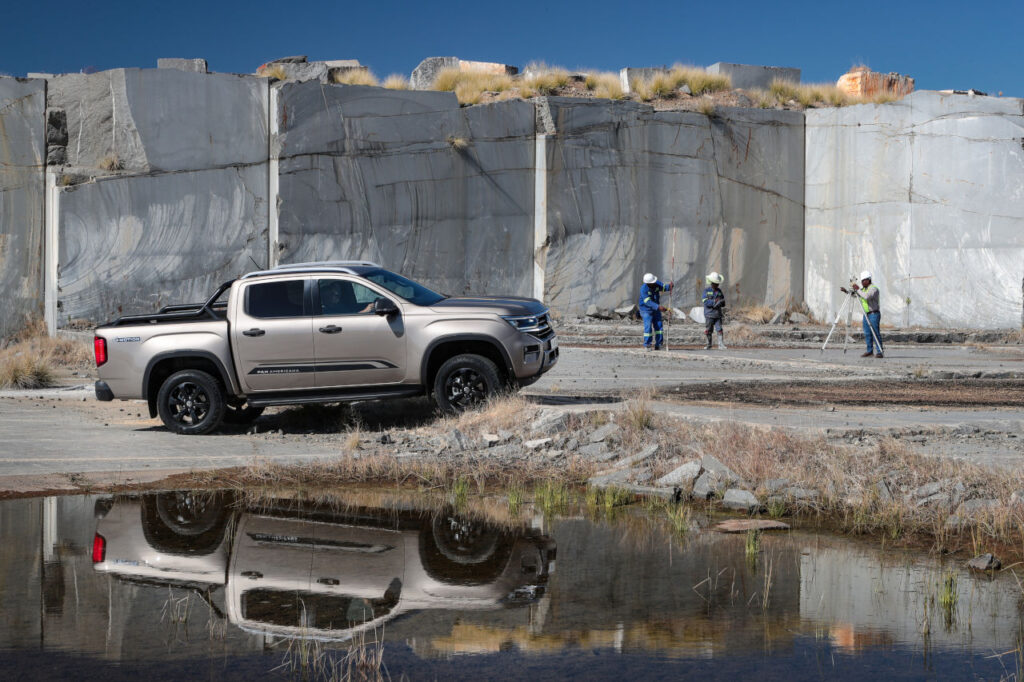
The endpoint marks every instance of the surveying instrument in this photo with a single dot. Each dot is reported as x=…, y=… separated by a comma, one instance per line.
x=847, y=309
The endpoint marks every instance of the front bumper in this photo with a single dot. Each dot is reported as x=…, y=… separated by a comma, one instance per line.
x=539, y=357
x=103, y=392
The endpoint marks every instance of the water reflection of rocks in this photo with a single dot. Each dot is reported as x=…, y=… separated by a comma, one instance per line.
x=182, y=577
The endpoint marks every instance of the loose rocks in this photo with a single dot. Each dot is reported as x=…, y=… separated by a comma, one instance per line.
x=740, y=500
x=985, y=562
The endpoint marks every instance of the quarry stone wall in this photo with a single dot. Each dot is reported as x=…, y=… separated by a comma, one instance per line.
x=928, y=194
x=630, y=190
x=156, y=185
x=22, y=159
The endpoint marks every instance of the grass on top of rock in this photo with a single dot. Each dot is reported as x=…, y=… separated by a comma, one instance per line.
x=353, y=76
x=667, y=84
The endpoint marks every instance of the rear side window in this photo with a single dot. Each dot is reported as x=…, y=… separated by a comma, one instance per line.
x=276, y=299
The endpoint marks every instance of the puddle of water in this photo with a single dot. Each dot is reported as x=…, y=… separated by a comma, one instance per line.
x=177, y=585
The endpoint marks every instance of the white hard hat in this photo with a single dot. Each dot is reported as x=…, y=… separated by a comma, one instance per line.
x=716, y=278
x=866, y=274
x=650, y=279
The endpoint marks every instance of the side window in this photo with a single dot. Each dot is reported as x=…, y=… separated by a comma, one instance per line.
x=341, y=297
x=275, y=299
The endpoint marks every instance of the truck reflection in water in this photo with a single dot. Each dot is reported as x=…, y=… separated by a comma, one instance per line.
x=300, y=570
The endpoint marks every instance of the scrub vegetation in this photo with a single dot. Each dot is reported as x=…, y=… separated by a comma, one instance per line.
x=353, y=77
x=31, y=359
x=681, y=87
x=884, y=490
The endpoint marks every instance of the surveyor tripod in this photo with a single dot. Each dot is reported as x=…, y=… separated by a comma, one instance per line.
x=847, y=308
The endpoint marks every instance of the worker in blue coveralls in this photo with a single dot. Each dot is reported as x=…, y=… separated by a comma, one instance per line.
x=651, y=310
x=714, y=307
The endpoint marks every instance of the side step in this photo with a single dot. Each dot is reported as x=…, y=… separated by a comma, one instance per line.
x=333, y=396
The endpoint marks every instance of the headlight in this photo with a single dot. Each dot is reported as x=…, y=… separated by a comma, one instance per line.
x=523, y=323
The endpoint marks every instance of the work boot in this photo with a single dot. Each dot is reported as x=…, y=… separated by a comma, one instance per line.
x=866, y=354
x=707, y=346
x=648, y=348
x=879, y=355
x=657, y=348
x=721, y=341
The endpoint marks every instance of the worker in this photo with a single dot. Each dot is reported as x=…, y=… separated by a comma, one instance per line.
x=868, y=294
x=714, y=308
x=651, y=310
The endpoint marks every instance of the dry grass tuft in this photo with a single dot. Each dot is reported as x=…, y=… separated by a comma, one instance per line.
x=667, y=84
x=754, y=313
x=782, y=93
x=604, y=85
x=469, y=86
x=396, y=81
x=26, y=369
x=706, y=107
x=353, y=77
x=543, y=79
x=277, y=72
x=31, y=357
x=111, y=162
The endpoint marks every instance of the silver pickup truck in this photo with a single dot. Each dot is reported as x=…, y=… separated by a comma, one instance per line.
x=320, y=333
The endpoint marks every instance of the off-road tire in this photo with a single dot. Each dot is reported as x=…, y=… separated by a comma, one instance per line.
x=186, y=522
x=465, y=381
x=459, y=551
x=191, y=402
x=244, y=414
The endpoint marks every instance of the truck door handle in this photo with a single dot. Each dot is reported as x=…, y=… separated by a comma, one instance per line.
x=328, y=581
x=330, y=329
x=254, y=332
x=252, y=575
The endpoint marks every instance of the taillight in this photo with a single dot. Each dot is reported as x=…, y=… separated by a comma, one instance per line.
x=99, y=347
x=99, y=549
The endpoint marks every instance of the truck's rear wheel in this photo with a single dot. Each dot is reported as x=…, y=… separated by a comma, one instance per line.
x=465, y=381
x=191, y=402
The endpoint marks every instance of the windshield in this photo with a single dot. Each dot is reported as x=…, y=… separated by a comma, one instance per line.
x=411, y=291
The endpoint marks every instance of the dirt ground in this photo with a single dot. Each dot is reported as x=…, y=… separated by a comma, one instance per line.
x=952, y=393
x=943, y=399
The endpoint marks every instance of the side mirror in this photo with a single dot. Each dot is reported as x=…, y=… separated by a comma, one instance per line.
x=384, y=306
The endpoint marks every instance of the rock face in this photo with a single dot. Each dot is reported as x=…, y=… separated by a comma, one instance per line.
x=123, y=245
x=743, y=167
x=388, y=186
x=22, y=156
x=914, y=221
x=747, y=76
x=193, y=65
x=146, y=120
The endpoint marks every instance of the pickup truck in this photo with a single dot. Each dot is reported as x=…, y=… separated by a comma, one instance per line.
x=320, y=333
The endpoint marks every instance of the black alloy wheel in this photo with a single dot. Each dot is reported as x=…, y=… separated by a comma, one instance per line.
x=189, y=513
x=191, y=402
x=464, y=541
x=464, y=382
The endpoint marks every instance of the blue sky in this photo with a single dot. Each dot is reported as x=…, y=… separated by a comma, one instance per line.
x=942, y=44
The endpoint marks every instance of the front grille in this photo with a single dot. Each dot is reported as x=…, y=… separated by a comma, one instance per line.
x=542, y=330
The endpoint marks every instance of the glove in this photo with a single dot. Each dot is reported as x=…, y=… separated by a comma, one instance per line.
x=662, y=308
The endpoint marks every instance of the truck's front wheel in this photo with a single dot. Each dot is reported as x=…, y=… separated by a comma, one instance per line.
x=465, y=381
x=191, y=402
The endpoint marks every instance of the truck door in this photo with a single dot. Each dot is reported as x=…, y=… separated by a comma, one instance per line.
x=272, y=335
x=353, y=345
